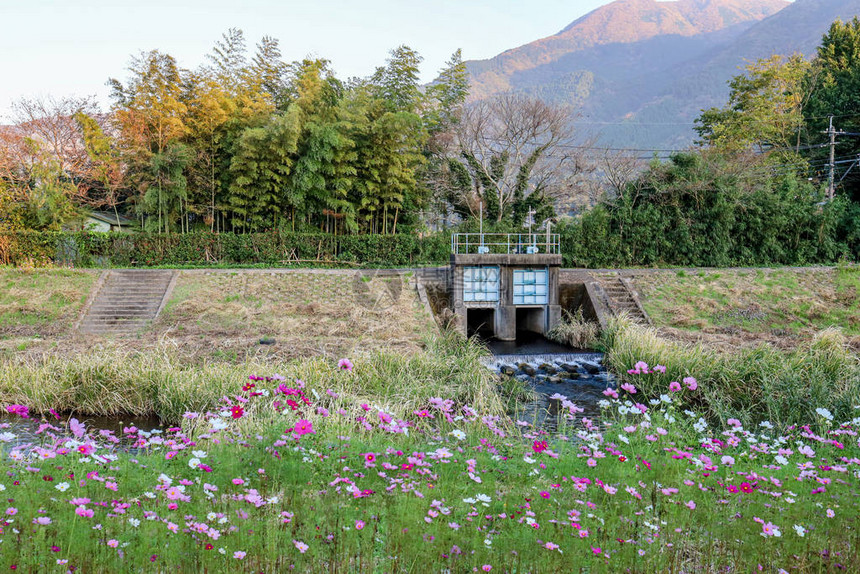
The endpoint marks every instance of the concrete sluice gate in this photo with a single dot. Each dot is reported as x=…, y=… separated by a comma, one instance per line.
x=504, y=283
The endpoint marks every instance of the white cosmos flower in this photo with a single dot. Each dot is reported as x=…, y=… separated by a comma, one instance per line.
x=824, y=413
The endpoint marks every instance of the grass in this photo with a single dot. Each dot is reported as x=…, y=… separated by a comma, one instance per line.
x=41, y=302
x=732, y=307
x=575, y=331
x=754, y=384
x=342, y=485
x=306, y=313
x=160, y=382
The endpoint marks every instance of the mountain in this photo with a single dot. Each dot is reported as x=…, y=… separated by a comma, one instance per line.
x=639, y=71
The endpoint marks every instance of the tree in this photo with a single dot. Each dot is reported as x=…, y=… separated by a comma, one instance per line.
x=511, y=154
x=448, y=94
x=210, y=108
x=764, y=111
x=325, y=167
x=49, y=134
x=105, y=165
x=168, y=191
x=261, y=164
x=397, y=82
x=270, y=72
x=837, y=68
x=150, y=114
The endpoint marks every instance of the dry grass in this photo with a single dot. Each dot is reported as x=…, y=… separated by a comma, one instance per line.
x=41, y=302
x=226, y=314
x=575, y=331
x=726, y=309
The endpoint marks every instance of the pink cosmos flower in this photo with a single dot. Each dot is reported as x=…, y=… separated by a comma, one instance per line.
x=84, y=512
x=304, y=427
x=11, y=511
x=86, y=449
x=77, y=428
x=238, y=555
x=596, y=550
x=238, y=481
x=359, y=524
x=691, y=383
x=43, y=520
x=674, y=386
x=486, y=567
x=113, y=543
x=611, y=393
x=301, y=546
x=629, y=388
x=770, y=529
x=345, y=365
x=691, y=505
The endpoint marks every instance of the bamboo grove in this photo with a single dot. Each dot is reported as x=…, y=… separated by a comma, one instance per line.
x=242, y=144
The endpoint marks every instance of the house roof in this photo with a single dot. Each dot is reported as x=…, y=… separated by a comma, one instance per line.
x=110, y=218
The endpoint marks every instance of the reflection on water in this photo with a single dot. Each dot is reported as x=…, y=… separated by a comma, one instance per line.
x=26, y=429
x=552, y=369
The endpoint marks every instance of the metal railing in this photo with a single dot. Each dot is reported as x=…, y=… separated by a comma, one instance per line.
x=505, y=243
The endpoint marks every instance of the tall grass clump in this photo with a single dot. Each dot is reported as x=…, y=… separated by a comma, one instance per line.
x=754, y=384
x=158, y=381
x=576, y=331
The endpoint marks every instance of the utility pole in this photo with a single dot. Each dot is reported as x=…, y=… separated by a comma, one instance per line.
x=831, y=180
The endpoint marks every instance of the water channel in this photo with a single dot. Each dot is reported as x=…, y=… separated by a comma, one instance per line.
x=551, y=369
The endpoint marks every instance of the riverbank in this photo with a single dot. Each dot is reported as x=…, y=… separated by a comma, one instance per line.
x=333, y=481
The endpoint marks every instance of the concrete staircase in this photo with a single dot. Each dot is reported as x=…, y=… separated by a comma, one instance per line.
x=127, y=301
x=622, y=298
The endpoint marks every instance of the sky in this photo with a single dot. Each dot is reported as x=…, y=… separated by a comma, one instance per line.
x=71, y=47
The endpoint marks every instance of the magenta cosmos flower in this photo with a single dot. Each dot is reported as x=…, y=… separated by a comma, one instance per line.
x=304, y=427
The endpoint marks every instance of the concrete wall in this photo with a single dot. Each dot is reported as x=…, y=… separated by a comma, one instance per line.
x=507, y=317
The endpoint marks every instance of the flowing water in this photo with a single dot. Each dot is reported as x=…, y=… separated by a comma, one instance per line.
x=551, y=369
x=25, y=430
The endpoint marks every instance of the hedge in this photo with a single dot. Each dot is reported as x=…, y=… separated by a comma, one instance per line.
x=97, y=249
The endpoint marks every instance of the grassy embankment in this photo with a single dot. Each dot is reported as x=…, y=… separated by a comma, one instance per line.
x=209, y=336
x=341, y=485
x=394, y=478
x=40, y=304
x=732, y=308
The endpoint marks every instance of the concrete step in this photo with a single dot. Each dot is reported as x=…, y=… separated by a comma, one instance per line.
x=127, y=301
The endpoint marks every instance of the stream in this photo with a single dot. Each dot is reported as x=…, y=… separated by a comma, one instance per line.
x=550, y=369
x=25, y=430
